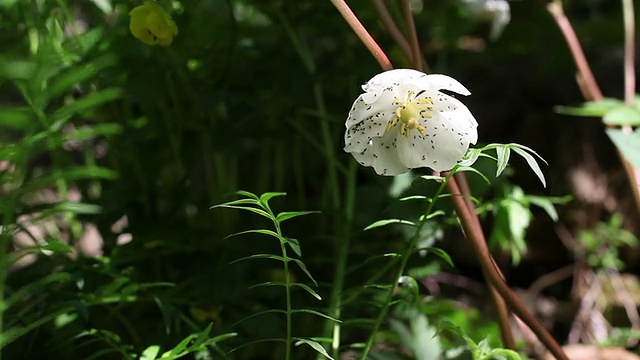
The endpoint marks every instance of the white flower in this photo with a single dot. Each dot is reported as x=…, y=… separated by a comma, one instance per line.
x=402, y=121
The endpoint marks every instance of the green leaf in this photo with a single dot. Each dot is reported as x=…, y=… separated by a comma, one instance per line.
x=294, y=245
x=317, y=313
x=248, y=194
x=415, y=197
x=622, y=116
x=432, y=215
x=87, y=102
x=308, y=289
x=21, y=118
x=473, y=170
x=247, y=208
x=628, y=144
x=381, y=223
x=150, y=353
x=94, y=131
x=286, y=215
x=264, y=198
x=70, y=174
x=77, y=74
x=254, y=231
x=503, y=153
x=590, y=109
x=305, y=270
x=439, y=253
x=315, y=345
x=259, y=256
x=531, y=161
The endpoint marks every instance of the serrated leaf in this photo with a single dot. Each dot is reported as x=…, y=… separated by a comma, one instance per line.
x=254, y=231
x=315, y=345
x=258, y=256
x=286, y=215
x=308, y=289
x=381, y=223
x=305, y=270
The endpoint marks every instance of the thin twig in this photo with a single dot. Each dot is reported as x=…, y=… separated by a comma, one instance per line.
x=621, y=292
x=481, y=251
x=555, y=8
x=629, y=52
x=391, y=26
x=362, y=34
x=501, y=308
x=416, y=58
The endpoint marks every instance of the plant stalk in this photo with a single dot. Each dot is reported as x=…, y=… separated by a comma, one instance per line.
x=481, y=251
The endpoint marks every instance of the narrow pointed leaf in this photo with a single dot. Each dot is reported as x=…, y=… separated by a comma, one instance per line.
x=308, y=289
x=533, y=164
x=317, y=313
x=503, y=153
x=381, y=223
x=305, y=270
x=254, y=231
x=248, y=208
x=264, y=198
x=315, y=345
x=248, y=194
x=294, y=245
x=286, y=215
x=259, y=256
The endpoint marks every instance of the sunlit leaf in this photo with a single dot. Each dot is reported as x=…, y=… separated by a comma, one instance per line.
x=308, y=289
x=381, y=223
x=315, y=345
x=622, y=116
x=286, y=215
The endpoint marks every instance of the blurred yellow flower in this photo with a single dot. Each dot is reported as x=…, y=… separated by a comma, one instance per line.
x=152, y=25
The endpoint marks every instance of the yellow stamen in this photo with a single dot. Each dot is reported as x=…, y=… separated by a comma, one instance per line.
x=408, y=113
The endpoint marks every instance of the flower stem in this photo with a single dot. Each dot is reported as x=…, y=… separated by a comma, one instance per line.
x=629, y=52
x=403, y=264
x=363, y=34
x=591, y=88
x=501, y=308
x=391, y=26
x=481, y=251
x=416, y=59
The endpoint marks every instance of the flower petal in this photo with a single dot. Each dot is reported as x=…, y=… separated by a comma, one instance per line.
x=440, y=82
x=388, y=81
x=382, y=154
x=445, y=143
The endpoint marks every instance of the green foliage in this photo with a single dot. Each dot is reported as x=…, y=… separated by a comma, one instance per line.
x=602, y=244
x=260, y=205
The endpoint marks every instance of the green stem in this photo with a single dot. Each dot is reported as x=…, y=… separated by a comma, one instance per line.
x=287, y=287
x=403, y=263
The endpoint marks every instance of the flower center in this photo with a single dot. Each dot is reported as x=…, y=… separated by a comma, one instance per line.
x=408, y=114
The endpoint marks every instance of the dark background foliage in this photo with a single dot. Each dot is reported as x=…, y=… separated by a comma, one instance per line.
x=253, y=95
